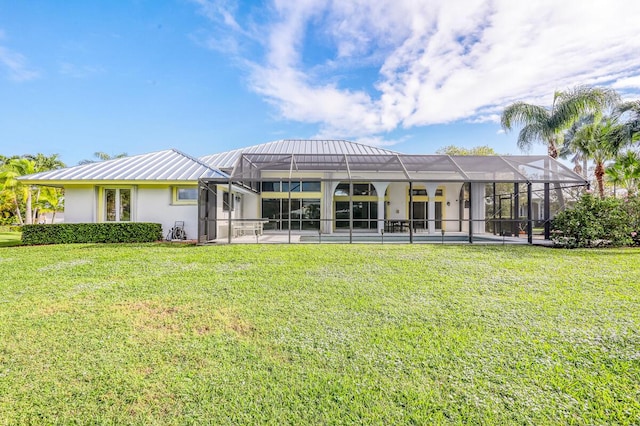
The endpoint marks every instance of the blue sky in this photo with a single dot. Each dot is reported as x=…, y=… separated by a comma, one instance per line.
x=202, y=76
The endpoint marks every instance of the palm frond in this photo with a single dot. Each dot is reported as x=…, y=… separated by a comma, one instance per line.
x=573, y=103
x=529, y=134
x=523, y=114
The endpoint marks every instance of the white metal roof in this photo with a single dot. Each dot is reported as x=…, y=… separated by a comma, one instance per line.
x=226, y=160
x=168, y=165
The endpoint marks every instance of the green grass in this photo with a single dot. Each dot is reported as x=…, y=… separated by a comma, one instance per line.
x=10, y=239
x=319, y=334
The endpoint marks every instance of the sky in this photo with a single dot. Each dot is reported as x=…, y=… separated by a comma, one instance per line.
x=206, y=76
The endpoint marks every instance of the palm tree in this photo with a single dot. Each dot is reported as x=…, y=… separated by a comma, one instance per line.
x=580, y=161
x=103, y=156
x=9, y=173
x=545, y=125
x=50, y=200
x=630, y=113
x=44, y=162
x=600, y=140
x=625, y=171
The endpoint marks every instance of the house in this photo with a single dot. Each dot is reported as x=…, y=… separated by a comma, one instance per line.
x=159, y=187
x=317, y=187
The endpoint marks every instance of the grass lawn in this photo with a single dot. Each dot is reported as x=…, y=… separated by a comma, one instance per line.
x=10, y=239
x=319, y=334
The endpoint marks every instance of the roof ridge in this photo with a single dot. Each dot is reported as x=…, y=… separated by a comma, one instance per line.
x=197, y=160
x=273, y=142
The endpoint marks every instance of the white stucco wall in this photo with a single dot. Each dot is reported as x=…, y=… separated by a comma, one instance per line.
x=154, y=204
x=80, y=204
x=151, y=203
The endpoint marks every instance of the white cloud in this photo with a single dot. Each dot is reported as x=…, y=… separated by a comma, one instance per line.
x=627, y=83
x=16, y=65
x=434, y=62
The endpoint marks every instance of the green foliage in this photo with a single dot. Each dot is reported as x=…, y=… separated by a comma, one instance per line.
x=545, y=125
x=625, y=171
x=163, y=334
x=458, y=150
x=593, y=222
x=67, y=233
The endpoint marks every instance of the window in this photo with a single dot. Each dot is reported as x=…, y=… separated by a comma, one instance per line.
x=269, y=186
x=117, y=205
x=185, y=195
x=225, y=202
x=365, y=214
x=418, y=192
x=312, y=186
x=305, y=213
x=359, y=189
x=296, y=186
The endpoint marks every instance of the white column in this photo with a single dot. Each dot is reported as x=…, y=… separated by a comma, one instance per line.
x=326, y=226
x=431, y=206
x=381, y=189
x=477, y=204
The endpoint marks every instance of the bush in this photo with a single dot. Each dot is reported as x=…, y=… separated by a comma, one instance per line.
x=594, y=222
x=10, y=228
x=66, y=233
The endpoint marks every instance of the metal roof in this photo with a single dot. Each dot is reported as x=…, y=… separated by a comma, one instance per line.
x=417, y=168
x=168, y=165
x=226, y=160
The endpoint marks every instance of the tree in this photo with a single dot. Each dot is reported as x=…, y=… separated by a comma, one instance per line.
x=600, y=140
x=625, y=171
x=630, y=113
x=457, y=150
x=50, y=200
x=43, y=162
x=103, y=156
x=9, y=173
x=545, y=125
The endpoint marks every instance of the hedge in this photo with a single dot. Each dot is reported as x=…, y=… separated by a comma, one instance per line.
x=595, y=222
x=116, y=232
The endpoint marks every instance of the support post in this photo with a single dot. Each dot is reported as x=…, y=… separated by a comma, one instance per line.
x=494, y=210
x=547, y=212
x=470, y=213
x=289, y=214
x=350, y=211
x=229, y=204
x=515, y=213
x=529, y=215
x=411, y=212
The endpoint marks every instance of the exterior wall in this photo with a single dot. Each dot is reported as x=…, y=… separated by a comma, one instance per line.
x=151, y=203
x=397, y=207
x=80, y=204
x=155, y=204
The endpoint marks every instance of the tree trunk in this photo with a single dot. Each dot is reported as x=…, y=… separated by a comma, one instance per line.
x=35, y=212
x=599, y=172
x=553, y=153
x=28, y=213
x=15, y=201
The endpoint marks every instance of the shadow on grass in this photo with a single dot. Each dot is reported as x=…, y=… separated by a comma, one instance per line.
x=10, y=239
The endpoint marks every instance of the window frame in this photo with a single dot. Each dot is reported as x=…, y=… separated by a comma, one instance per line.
x=103, y=214
x=175, y=199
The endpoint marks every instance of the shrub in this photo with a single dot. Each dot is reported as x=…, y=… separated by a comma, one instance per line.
x=594, y=222
x=66, y=233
